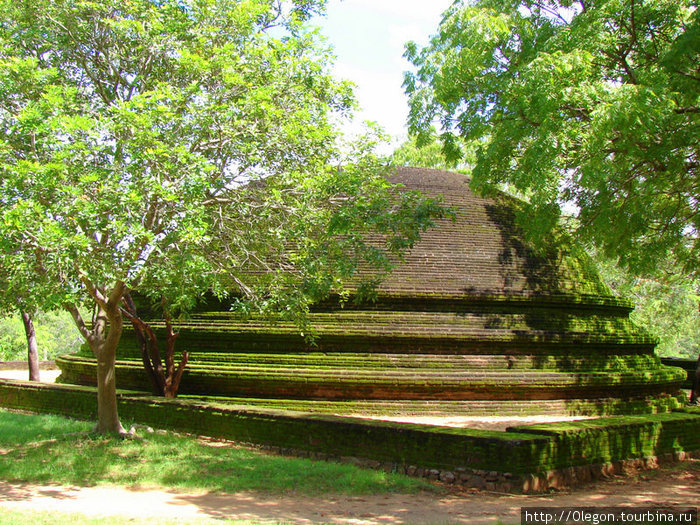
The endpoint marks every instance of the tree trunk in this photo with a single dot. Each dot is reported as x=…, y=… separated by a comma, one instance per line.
x=172, y=380
x=32, y=352
x=107, y=416
x=166, y=382
x=696, y=384
x=146, y=338
x=103, y=338
x=106, y=336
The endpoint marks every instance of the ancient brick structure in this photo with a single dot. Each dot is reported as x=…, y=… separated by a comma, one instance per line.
x=472, y=322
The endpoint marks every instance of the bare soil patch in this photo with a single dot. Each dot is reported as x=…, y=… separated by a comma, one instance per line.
x=46, y=376
x=500, y=423
x=677, y=485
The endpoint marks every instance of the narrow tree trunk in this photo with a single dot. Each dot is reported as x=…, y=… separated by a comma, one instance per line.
x=696, y=384
x=150, y=357
x=172, y=381
x=166, y=381
x=32, y=352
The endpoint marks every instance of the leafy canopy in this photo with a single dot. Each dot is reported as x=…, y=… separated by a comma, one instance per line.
x=428, y=153
x=594, y=103
x=666, y=304
x=178, y=146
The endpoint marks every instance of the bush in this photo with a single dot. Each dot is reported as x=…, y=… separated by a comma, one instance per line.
x=666, y=305
x=55, y=332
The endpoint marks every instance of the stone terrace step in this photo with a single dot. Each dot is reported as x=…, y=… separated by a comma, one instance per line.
x=407, y=383
x=501, y=408
x=392, y=327
x=324, y=360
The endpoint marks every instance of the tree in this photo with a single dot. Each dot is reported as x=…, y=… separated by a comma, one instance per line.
x=666, y=304
x=174, y=147
x=17, y=297
x=9, y=303
x=429, y=154
x=590, y=103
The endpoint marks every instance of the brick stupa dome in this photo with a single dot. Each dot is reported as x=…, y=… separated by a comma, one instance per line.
x=472, y=322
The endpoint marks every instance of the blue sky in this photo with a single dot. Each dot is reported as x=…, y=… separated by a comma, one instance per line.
x=368, y=37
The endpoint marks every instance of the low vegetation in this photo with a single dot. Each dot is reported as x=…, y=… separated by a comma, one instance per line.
x=55, y=332
x=44, y=449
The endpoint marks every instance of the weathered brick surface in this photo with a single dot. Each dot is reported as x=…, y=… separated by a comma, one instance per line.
x=472, y=314
x=528, y=458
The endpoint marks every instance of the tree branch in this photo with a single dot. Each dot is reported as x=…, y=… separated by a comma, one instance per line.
x=78, y=320
x=115, y=297
x=94, y=292
x=685, y=110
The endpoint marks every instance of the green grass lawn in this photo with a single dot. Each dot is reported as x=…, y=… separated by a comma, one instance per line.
x=51, y=449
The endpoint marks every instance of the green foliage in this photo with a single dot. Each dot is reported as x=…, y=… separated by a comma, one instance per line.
x=55, y=332
x=591, y=104
x=13, y=343
x=173, y=148
x=667, y=305
x=177, y=147
x=38, y=449
x=428, y=153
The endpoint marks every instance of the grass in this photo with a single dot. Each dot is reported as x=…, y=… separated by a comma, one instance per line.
x=52, y=449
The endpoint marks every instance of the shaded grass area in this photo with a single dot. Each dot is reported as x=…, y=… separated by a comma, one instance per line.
x=43, y=449
x=27, y=517
x=19, y=429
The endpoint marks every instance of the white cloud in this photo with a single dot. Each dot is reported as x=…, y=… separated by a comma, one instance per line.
x=406, y=9
x=369, y=38
x=380, y=95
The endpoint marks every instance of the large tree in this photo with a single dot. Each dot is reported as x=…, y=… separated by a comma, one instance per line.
x=174, y=147
x=591, y=103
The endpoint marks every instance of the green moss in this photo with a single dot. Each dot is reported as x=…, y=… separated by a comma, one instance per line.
x=525, y=449
x=297, y=380
x=622, y=437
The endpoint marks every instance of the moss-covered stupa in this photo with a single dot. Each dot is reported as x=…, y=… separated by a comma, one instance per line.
x=474, y=322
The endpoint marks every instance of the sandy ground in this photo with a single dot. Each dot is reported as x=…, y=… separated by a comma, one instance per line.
x=481, y=422
x=46, y=376
x=677, y=485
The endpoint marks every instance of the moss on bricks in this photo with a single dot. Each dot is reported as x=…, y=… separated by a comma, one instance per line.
x=687, y=365
x=470, y=313
x=434, y=447
x=618, y=438
x=341, y=382
x=689, y=409
x=521, y=450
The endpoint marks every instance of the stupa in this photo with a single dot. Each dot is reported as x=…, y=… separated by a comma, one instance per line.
x=473, y=322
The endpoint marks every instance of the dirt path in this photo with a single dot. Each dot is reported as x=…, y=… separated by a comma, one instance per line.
x=676, y=485
x=47, y=376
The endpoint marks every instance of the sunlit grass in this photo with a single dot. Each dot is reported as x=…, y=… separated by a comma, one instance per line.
x=49, y=449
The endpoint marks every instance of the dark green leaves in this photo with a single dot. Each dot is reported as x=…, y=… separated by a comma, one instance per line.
x=593, y=106
x=181, y=147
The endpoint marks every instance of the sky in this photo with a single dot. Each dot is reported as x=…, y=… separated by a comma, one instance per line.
x=368, y=38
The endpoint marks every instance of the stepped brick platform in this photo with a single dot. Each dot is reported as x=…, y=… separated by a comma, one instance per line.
x=473, y=321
